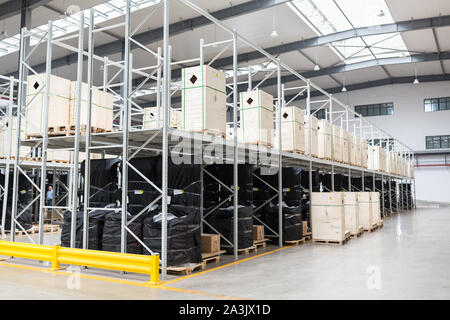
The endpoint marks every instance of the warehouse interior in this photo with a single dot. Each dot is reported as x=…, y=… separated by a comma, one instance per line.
x=244, y=149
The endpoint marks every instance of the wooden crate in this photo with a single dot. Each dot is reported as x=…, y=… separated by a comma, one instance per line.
x=12, y=147
x=328, y=216
x=210, y=243
x=364, y=153
x=101, y=110
x=375, y=203
x=337, y=143
x=314, y=136
x=345, y=146
x=324, y=139
x=292, y=130
x=366, y=219
x=356, y=151
x=351, y=208
x=376, y=159
x=258, y=232
x=203, y=100
x=256, y=117
x=58, y=107
x=151, y=118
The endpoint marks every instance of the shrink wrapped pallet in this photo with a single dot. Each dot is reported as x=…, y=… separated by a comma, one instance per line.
x=328, y=216
x=58, y=106
x=256, y=117
x=292, y=130
x=375, y=203
x=151, y=118
x=351, y=208
x=101, y=110
x=324, y=139
x=366, y=219
x=345, y=146
x=203, y=100
x=4, y=147
x=337, y=143
x=314, y=137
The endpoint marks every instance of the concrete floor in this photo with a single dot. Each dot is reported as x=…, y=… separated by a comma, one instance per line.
x=407, y=259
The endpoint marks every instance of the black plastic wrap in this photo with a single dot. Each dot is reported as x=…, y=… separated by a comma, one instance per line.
x=338, y=182
x=292, y=188
x=222, y=221
x=292, y=221
x=103, y=171
x=245, y=182
x=96, y=225
x=183, y=236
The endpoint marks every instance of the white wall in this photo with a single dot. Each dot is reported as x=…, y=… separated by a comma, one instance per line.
x=410, y=124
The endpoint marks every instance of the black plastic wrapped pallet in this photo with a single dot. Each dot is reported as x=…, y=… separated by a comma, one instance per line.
x=141, y=193
x=292, y=221
x=210, y=188
x=96, y=225
x=245, y=182
x=292, y=188
x=147, y=166
x=222, y=220
x=103, y=171
x=338, y=182
x=25, y=219
x=315, y=180
x=183, y=236
x=112, y=233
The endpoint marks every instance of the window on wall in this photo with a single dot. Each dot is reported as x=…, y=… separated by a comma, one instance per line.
x=320, y=114
x=437, y=142
x=378, y=109
x=436, y=104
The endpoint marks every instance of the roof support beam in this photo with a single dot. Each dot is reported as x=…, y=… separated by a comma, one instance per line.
x=12, y=8
x=438, y=47
x=176, y=28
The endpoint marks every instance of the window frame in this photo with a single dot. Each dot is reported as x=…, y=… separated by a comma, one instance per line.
x=375, y=109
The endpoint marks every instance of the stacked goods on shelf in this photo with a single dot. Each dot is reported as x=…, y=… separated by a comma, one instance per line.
x=221, y=219
x=364, y=153
x=337, y=144
x=150, y=118
x=328, y=216
x=383, y=186
x=376, y=158
x=292, y=130
x=101, y=110
x=23, y=200
x=203, y=100
x=339, y=182
x=351, y=208
x=345, y=145
x=256, y=116
x=366, y=218
x=103, y=181
x=58, y=106
x=313, y=135
x=210, y=243
x=376, y=212
x=183, y=217
x=291, y=206
x=410, y=170
x=4, y=125
x=324, y=139
x=355, y=156
x=390, y=168
x=407, y=198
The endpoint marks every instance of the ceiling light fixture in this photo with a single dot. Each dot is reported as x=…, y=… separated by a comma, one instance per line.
x=316, y=67
x=274, y=32
x=380, y=14
x=344, y=89
x=416, y=80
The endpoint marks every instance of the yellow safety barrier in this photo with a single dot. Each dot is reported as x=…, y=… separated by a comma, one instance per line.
x=89, y=258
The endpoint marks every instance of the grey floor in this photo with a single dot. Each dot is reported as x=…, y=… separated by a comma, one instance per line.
x=408, y=258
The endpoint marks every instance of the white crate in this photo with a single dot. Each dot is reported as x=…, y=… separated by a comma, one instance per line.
x=203, y=100
x=337, y=143
x=4, y=125
x=314, y=136
x=375, y=203
x=328, y=216
x=58, y=107
x=345, y=145
x=364, y=153
x=351, y=208
x=292, y=130
x=324, y=139
x=256, y=117
x=366, y=219
x=355, y=153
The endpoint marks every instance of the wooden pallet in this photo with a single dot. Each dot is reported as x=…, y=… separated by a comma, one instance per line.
x=20, y=158
x=212, y=257
x=214, y=133
x=39, y=159
x=295, y=151
x=307, y=236
x=326, y=241
x=260, y=243
x=359, y=233
x=48, y=227
x=374, y=227
x=244, y=251
x=20, y=232
x=295, y=242
x=187, y=269
x=261, y=144
x=381, y=224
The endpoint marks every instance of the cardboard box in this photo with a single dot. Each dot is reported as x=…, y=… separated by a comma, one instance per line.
x=258, y=232
x=210, y=243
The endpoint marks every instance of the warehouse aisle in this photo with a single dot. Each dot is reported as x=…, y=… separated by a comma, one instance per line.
x=405, y=260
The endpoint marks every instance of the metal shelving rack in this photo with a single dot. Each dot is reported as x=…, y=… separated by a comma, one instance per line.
x=128, y=141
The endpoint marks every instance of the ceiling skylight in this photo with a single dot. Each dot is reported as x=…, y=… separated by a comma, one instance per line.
x=103, y=12
x=331, y=16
